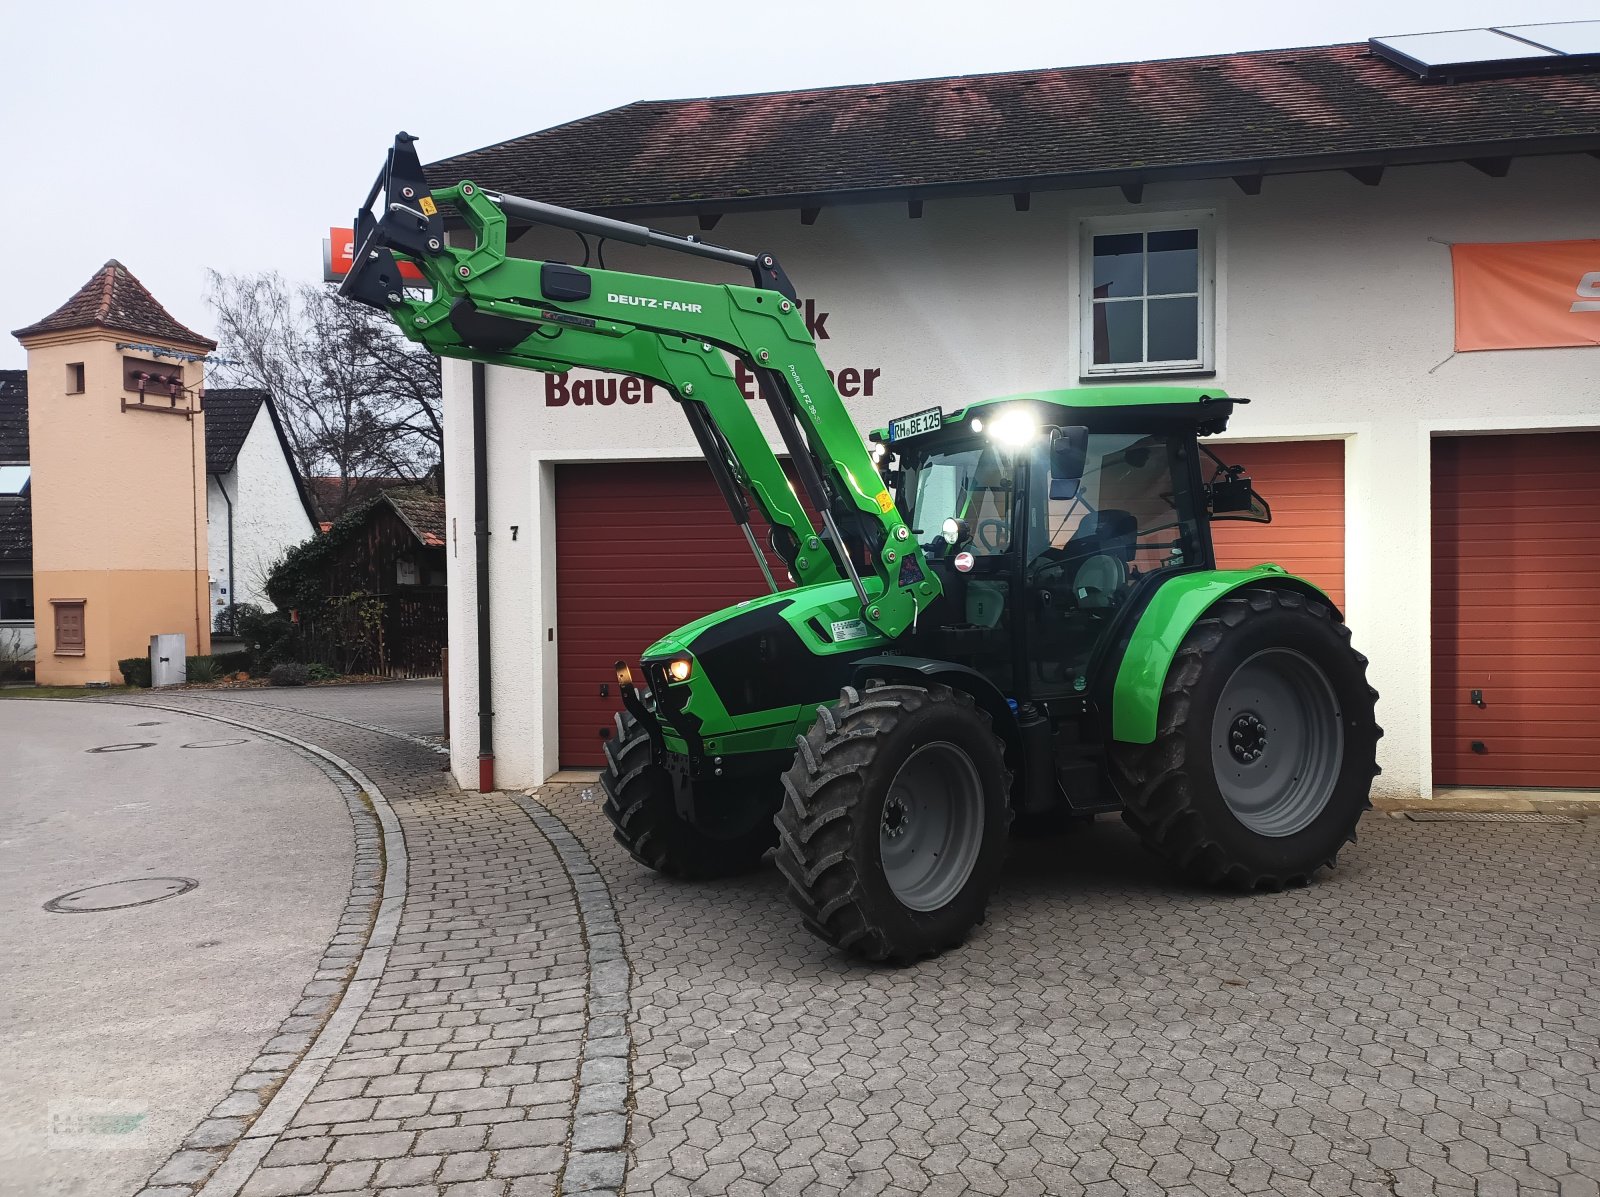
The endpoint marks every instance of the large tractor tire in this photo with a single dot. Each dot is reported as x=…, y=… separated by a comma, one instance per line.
x=645, y=820
x=893, y=825
x=1265, y=746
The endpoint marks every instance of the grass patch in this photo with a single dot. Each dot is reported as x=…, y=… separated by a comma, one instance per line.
x=61, y=691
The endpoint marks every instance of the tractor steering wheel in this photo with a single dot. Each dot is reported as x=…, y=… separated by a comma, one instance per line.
x=993, y=535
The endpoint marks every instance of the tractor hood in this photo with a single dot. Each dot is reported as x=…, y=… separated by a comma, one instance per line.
x=762, y=662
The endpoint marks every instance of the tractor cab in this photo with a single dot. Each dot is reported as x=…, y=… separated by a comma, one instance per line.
x=1050, y=520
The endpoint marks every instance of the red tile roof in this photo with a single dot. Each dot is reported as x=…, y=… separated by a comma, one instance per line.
x=422, y=511
x=1325, y=107
x=113, y=299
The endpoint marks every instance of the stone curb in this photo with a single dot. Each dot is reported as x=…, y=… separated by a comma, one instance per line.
x=251, y=1143
x=419, y=741
x=597, y=1156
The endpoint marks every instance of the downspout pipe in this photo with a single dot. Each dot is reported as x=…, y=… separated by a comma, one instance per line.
x=480, y=520
x=233, y=599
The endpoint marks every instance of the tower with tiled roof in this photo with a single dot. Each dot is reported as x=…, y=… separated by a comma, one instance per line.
x=117, y=446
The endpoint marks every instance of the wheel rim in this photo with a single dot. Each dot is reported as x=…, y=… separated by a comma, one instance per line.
x=1277, y=742
x=932, y=826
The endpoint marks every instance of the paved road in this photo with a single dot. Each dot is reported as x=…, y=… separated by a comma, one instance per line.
x=152, y=1011
x=546, y=1017
x=414, y=708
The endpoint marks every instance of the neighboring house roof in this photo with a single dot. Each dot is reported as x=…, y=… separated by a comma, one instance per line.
x=230, y=414
x=16, y=511
x=16, y=530
x=333, y=498
x=114, y=299
x=421, y=510
x=13, y=416
x=1272, y=111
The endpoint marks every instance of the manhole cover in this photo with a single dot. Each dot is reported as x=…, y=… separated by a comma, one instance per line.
x=114, y=895
x=1484, y=816
x=123, y=747
x=215, y=743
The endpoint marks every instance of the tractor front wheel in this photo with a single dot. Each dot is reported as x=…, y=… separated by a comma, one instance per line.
x=1265, y=747
x=893, y=825
x=645, y=820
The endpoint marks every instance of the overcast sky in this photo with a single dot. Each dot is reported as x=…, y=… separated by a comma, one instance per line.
x=177, y=135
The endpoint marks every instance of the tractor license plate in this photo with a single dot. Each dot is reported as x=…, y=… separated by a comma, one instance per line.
x=915, y=425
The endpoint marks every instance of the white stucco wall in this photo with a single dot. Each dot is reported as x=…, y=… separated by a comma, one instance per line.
x=1334, y=313
x=268, y=516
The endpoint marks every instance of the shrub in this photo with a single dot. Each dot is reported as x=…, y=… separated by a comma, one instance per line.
x=272, y=636
x=318, y=672
x=135, y=671
x=201, y=669
x=228, y=663
x=289, y=673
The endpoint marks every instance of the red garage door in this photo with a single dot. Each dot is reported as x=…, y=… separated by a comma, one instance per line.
x=1516, y=610
x=641, y=549
x=1303, y=482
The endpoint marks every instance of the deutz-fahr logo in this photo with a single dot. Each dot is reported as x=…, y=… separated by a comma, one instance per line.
x=646, y=301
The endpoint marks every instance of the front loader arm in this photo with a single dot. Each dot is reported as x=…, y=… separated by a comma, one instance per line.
x=487, y=306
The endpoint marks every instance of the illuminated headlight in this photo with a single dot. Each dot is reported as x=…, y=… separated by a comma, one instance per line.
x=878, y=451
x=1014, y=427
x=977, y=424
x=951, y=530
x=680, y=669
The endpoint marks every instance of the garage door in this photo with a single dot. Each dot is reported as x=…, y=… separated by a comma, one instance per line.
x=1516, y=610
x=641, y=549
x=1303, y=482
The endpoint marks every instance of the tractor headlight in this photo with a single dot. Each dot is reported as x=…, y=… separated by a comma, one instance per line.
x=680, y=669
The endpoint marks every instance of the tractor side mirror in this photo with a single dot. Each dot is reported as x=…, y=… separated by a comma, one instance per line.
x=1069, y=451
x=1229, y=495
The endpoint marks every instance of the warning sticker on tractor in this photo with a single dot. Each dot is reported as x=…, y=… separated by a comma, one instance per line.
x=885, y=502
x=427, y=205
x=850, y=629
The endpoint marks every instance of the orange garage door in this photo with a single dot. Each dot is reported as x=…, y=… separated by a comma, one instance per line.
x=1303, y=482
x=1516, y=610
x=641, y=549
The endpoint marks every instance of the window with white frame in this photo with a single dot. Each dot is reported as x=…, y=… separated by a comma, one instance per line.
x=1148, y=295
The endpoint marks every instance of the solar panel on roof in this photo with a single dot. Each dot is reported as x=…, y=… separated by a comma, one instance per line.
x=1501, y=50
x=1564, y=37
x=1461, y=46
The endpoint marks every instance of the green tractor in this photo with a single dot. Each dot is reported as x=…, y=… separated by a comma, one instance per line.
x=1009, y=610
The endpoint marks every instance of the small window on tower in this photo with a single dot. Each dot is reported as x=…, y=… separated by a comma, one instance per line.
x=74, y=378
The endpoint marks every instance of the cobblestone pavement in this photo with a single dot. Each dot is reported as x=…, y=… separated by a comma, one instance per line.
x=490, y=1060
x=1422, y=1022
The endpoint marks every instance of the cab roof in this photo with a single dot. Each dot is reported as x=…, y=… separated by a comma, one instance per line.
x=1181, y=402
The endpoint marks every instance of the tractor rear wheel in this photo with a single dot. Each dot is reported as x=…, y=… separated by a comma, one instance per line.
x=645, y=820
x=1265, y=746
x=893, y=825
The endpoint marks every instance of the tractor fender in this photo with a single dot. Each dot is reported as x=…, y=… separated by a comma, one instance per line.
x=1175, y=607
x=922, y=670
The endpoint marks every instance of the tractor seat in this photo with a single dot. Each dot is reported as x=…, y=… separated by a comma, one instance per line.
x=1103, y=548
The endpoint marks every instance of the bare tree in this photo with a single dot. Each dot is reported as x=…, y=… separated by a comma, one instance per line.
x=358, y=400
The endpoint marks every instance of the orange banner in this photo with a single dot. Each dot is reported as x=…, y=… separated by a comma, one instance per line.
x=1527, y=294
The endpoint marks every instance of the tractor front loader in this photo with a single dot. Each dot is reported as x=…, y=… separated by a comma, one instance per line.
x=1007, y=608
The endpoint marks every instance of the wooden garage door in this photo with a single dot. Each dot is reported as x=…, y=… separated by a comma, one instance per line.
x=1516, y=610
x=1303, y=482
x=641, y=549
